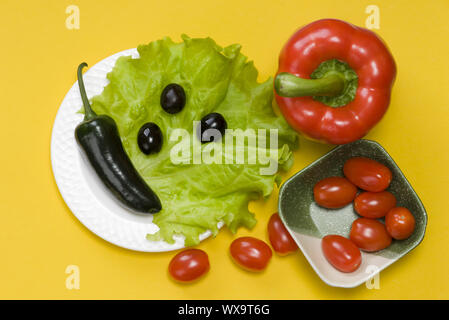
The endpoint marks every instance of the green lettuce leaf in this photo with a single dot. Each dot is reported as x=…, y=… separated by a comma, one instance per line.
x=195, y=197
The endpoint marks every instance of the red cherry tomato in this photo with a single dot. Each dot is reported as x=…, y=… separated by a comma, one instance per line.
x=189, y=265
x=369, y=235
x=374, y=204
x=400, y=223
x=334, y=192
x=250, y=253
x=367, y=174
x=342, y=253
x=281, y=241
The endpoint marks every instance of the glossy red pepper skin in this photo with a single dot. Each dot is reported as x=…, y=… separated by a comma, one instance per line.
x=365, y=53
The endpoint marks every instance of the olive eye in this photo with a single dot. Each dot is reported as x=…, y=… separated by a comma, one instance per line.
x=173, y=98
x=149, y=138
x=211, y=121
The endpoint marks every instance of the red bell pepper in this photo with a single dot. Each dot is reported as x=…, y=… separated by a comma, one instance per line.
x=334, y=81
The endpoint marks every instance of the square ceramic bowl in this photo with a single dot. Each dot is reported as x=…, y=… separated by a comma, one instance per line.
x=308, y=223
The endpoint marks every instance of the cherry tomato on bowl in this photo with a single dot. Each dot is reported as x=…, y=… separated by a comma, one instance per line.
x=367, y=174
x=250, y=253
x=281, y=241
x=189, y=265
x=374, y=204
x=400, y=223
x=334, y=192
x=341, y=253
x=369, y=235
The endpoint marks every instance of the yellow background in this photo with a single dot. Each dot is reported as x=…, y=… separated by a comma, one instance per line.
x=39, y=236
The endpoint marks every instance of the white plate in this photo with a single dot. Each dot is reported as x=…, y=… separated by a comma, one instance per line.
x=79, y=185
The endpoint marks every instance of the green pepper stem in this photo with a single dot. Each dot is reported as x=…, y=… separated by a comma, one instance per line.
x=289, y=85
x=88, y=112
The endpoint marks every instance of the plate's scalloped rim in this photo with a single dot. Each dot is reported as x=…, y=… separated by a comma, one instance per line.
x=66, y=166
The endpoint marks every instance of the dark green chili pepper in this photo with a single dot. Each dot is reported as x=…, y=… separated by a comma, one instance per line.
x=98, y=136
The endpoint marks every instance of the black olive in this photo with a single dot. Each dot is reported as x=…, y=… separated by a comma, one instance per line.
x=213, y=120
x=173, y=98
x=149, y=138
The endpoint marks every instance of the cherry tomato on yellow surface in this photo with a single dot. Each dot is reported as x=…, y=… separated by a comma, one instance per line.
x=189, y=265
x=334, y=192
x=250, y=253
x=281, y=241
x=367, y=174
x=341, y=252
x=400, y=223
x=374, y=204
x=369, y=235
